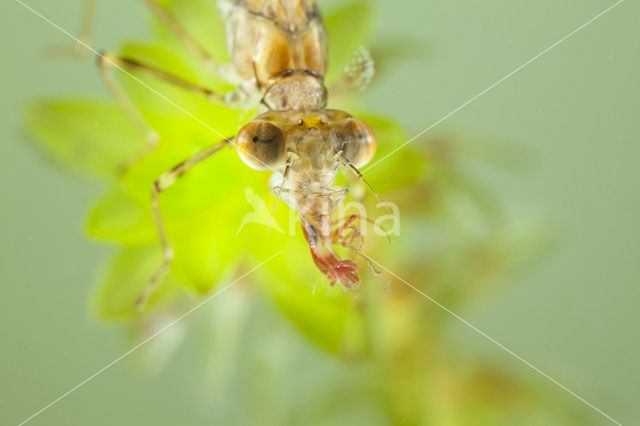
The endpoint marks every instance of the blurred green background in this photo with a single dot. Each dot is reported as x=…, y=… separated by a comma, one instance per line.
x=572, y=313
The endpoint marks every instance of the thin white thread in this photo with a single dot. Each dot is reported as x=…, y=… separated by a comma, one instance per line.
x=77, y=40
x=500, y=345
x=154, y=335
x=374, y=164
x=493, y=85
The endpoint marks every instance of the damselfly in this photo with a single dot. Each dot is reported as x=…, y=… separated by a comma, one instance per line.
x=278, y=59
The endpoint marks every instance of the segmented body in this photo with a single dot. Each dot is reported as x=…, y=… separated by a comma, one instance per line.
x=278, y=48
x=279, y=55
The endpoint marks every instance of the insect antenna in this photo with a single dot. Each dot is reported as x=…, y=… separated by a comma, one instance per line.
x=357, y=172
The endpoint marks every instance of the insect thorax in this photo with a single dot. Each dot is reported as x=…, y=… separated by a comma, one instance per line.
x=301, y=90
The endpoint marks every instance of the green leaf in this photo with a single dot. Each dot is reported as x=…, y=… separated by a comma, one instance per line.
x=125, y=278
x=84, y=136
x=205, y=246
x=153, y=95
x=348, y=27
x=162, y=57
x=326, y=315
x=400, y=169
x=332, y=322
x=202, y=213
x=118, y=218
x=203, y=22
x=217, y=215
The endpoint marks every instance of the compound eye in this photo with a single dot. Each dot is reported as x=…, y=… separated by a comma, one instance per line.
x=359, y=142
x=261, y=146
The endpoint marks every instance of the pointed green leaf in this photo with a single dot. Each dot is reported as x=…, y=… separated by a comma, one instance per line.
x=117, y=217
x=204, y=24
x=88, y=137
x=124, y=280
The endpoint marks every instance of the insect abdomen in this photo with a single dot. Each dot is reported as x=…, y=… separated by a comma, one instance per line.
x=265, y=38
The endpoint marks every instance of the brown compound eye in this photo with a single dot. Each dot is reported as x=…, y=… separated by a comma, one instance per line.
x=359, y=142
x=261, y=146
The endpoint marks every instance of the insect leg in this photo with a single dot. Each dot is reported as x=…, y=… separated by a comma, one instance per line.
x=164, y=182
x=105, y=61
x=79, y=49
x=349, y=236
x=348, y=224
x=109, y=60
x=172, y=23
x=358, y=174
x=285, y=176
x=114, y=60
